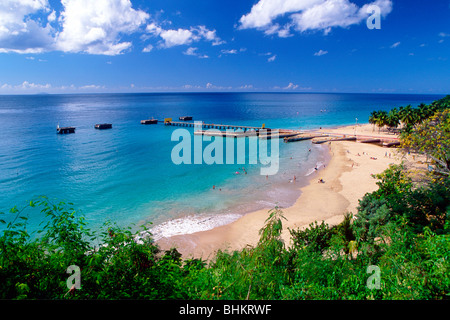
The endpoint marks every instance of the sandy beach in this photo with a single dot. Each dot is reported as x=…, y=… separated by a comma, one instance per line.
x=347, y=177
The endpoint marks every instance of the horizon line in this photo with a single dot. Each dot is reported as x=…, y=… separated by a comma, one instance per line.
x=217, y=92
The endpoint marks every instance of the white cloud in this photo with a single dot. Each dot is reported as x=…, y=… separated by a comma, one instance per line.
x=148, y=48
x=443, y=35
x=209, y=85
x=18, y=32
x=171, y=37
x=395, y=45
x=28, y=85
x=307, y=15
x=190, y=86
x=153, y=29
x=291, y=86
x=272, y=58
x=282, y=32
x=96, y=27
x=100, y=27
x=91, y=87
x=230, y=51
x=176, y=37
x=25, y=87
x=52, y=16
x=265, y=11
x=320, y=53
x=193, y=52
x=208, y=35
x=190, y=51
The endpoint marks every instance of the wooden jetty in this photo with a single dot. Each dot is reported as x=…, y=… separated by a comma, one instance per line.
x=374, y=140
x=210, y=125
x=304, y=136
x=65, y=130
x=260, y=133
x=280, y=134
x=185, y=118
x=331, y=139
x=102, y=126
x=149, y=121
x=227, y=134
x=391, y=144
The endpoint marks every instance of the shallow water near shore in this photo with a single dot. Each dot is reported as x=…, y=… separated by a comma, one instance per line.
x=126, y=175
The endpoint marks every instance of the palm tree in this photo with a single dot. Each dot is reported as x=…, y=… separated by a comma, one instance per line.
x=373, y=118
x=407, y=116
x=393, y=118
x=382, y=119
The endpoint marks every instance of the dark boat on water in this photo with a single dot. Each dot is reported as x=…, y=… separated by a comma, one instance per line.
x=65, y=130
x=102, y=126
x=149, y=121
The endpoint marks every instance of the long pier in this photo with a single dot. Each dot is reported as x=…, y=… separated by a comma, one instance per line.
x=225, y=130
x=211, y=125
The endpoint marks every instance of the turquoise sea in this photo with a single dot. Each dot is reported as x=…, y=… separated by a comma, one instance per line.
x=126, y=175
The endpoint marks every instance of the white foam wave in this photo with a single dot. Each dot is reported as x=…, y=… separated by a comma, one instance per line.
x=191, y=224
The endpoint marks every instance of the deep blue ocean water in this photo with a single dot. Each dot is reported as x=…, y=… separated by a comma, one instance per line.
x=126, y=175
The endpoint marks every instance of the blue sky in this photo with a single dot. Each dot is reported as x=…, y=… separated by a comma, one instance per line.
x=82, y=46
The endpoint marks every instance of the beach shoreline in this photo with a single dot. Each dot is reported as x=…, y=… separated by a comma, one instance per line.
x=347, y=177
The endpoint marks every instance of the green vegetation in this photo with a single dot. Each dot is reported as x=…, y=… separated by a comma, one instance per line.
x=432, y=138
x=402, y=230
x=408, y=116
